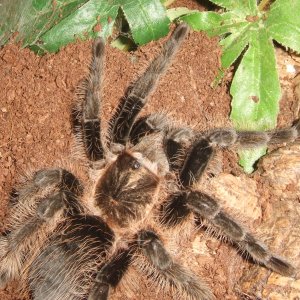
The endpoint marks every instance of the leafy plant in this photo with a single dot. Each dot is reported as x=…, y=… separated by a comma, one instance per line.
x=47, y=25
x=247, y=31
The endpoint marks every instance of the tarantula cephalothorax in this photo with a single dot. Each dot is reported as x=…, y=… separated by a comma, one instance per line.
x=66, y=240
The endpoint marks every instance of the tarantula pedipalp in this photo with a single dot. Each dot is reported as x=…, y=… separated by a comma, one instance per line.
x=69, y=240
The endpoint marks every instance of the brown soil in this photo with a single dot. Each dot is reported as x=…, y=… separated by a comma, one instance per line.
x=36, y=96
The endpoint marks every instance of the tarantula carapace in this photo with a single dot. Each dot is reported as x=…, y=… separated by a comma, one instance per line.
x=68, y=237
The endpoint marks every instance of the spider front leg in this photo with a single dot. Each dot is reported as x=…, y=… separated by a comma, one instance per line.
x=36, y=210
x=253, y=139
x=203, y=147
x=146, y=125
x=136, y=96
x=85, y=114
x=194, y=165
x=175, y=139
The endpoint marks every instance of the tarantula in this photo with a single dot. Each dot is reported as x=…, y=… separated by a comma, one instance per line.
x=66, y=240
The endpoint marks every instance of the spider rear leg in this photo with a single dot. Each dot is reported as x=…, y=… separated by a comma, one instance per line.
x=85, y=114
x=65, y=268
x=22, y=243
x=42, y=183
x=37, y=209
x=160, y=266
x=149, y=255
x=206, y=207
x=136, y=96
x=110, y=275
x=202, y=148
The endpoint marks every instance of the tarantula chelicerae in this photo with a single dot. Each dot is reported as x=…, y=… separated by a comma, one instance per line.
x=66, y=240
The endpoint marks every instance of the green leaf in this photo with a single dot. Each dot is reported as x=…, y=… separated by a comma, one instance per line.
x=177, y=12
x=47, y=25
x=233, y=45
x=247, y=33
x=255, y=88
x=40, y=16
x=230, y=23
x=10, y=12
x=210, y=22
x=206, y=21
x=31, y=18
x=243, y=7
x=147, y=19
x=283, y=23
x=249, y=157
x=80, y=24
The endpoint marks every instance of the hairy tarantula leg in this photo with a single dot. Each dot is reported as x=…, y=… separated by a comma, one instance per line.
x=208, y=208
x=175, y=142
x=36, y=210
x=252, y=139
x=196, y=162
x=19, y=241
x=42, y=179
x=65, y=268
x=46, y=179
x=85, y=114
x=174, y=210
x=136, y=96
x=110, y=275
x=147, y=125
x=175, y=139
x=202, y=151
x=161, y=268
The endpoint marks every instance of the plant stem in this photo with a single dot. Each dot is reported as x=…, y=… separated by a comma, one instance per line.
x=168, y=2
x=263, y=4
